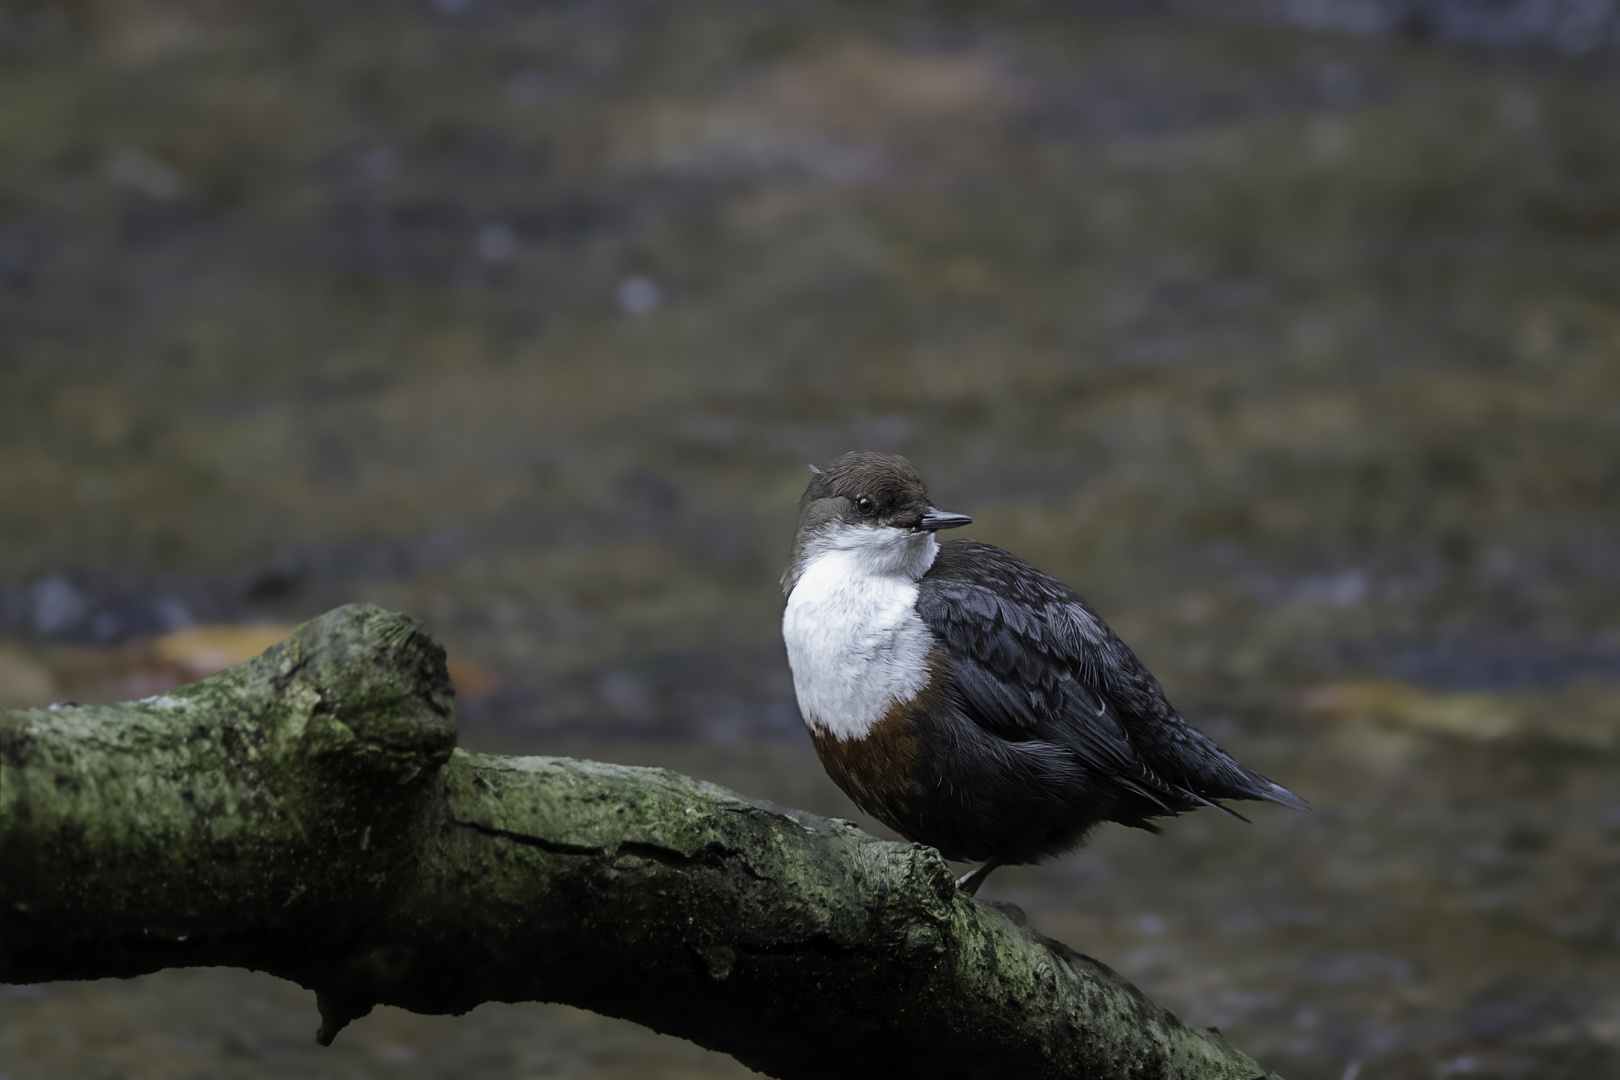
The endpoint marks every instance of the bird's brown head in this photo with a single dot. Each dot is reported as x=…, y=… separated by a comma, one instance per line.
x=866, y=499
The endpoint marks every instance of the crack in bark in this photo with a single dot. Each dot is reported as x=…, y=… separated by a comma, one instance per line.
x=715, y=855
x=555, y=847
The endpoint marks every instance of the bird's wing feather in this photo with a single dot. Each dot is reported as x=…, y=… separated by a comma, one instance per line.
x=1028, y=656
x=1033, y=661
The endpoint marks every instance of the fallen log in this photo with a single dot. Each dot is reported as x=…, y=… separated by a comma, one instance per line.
x=308, y=814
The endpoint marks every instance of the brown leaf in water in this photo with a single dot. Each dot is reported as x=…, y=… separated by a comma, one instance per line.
x=1475, y=716
x=24, y=681
x=200, y=651
x=1581, y=714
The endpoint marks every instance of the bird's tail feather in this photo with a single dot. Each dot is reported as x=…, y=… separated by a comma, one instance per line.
x=1241, y=782
x=1278, y=794
x=1224, y=778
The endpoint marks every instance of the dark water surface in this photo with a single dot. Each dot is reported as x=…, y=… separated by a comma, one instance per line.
x=1298, y=354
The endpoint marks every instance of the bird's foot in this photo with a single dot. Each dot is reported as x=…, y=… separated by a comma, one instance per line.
x=970, y=882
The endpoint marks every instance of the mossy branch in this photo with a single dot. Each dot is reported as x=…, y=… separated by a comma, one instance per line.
x=308, y=814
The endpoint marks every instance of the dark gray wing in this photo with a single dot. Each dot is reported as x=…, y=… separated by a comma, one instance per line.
x=1033, y=661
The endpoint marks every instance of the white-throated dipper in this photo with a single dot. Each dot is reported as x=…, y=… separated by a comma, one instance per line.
x=964, y=698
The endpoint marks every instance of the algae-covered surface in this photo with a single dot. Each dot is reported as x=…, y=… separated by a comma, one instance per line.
x=1298, y=354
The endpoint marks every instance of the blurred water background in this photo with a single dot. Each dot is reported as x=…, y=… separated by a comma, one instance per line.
x=1288, y=333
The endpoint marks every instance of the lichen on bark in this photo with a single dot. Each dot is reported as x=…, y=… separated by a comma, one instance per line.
x=308, y=814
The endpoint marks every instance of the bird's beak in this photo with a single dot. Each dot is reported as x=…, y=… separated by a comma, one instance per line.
x=937, y=519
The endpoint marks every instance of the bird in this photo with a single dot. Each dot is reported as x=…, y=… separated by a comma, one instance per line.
x=966, y=699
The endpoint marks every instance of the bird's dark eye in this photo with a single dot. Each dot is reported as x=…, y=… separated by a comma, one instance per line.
x=865, y=506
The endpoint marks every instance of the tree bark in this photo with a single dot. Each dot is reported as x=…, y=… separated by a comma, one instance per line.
x=308, y=814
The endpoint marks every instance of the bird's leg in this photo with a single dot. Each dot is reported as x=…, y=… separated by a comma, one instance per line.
x=970, y=882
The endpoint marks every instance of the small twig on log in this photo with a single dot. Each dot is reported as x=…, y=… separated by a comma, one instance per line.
x=307, y=814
